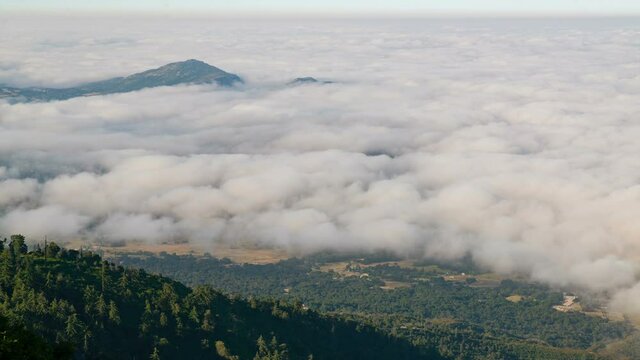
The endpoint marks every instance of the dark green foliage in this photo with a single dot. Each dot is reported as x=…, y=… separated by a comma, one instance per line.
x=17, y=244
x=52, y=249
x=105, y=311
x=76, y=301
x=484, y=324
x=18, y=343
x=271, y=351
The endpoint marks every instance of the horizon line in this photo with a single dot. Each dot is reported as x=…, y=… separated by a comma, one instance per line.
x=310, y=14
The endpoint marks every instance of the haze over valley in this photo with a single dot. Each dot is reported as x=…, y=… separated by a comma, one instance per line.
x=506, y=143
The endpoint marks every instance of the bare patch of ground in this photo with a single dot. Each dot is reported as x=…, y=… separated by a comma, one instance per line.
x=515, y=298
x=236, y=254
x=341, y=268
x=250, y=256
x=392, y=285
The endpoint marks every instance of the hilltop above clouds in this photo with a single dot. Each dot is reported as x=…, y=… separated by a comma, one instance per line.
x=187, y=72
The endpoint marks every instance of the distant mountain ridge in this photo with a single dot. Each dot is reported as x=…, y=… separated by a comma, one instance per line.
x=308, y=80
x=184, y=72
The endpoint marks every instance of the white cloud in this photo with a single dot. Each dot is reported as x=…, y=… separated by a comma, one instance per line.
x=14, y=191
x=120, y=227
x=515, y=144
x=52, y=221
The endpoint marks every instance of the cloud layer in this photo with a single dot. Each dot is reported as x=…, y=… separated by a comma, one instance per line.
x=514, y=142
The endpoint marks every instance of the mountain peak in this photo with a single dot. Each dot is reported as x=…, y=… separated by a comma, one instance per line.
x=307, y=80
x=190, y=64
x=190, y=71
x=194, y=61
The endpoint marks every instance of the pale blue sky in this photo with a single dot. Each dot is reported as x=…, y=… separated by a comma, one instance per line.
x=561, y=7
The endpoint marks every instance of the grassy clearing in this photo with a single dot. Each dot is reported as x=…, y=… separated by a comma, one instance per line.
x=515, y=298
x=392, y=285
x=258, y=256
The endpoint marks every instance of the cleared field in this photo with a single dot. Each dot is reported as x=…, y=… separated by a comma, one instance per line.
x=515, y=298
x=340, y=268
x=405, y=264
x=236, y=254
x=250, y=256
x=392, y=285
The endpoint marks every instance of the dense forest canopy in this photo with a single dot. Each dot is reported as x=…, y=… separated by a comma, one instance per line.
x=463, y=319
x=87, y=308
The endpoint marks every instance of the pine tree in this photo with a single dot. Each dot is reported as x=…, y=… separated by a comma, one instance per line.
x=123, y=284
x=18, y=245
x=155, y=355
x=101, y=306
x=146, y=321
x=163, y=319
x=52, y=250
x=114, y=314
x=223, y=352
x=193, y=315
x=271, y=351
x=263, y=350
x=73, y=327
x=207, y=321
x=7, y=269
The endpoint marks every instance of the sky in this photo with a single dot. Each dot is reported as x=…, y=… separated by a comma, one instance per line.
x=384, y=7
x=511, y=142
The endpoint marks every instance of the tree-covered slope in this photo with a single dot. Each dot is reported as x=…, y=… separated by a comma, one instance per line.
x=16, y=342
x=459, y=318
x=108, y=312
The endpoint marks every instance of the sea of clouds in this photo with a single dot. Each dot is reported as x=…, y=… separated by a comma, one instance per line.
x=515, y=142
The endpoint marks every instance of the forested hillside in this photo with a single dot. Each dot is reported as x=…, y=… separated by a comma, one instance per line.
x=463, y=319
x=60, y=304
x=87, y=308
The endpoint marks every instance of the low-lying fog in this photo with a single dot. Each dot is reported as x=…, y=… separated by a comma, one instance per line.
x=513, y=141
